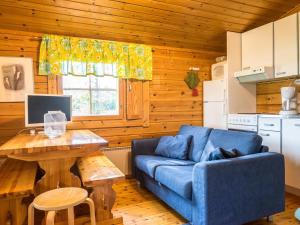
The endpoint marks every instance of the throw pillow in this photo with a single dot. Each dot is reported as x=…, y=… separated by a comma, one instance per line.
x=174, y=147
x=220, y=153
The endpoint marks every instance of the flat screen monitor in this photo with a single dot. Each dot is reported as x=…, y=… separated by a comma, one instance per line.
x=37, y=105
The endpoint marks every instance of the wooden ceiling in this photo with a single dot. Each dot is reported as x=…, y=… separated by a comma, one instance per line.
x=196, y=24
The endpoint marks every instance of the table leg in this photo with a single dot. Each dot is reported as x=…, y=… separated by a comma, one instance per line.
x=104, y=198
x=57, y=174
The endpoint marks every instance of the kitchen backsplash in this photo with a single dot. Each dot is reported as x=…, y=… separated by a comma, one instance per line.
x=268, y=97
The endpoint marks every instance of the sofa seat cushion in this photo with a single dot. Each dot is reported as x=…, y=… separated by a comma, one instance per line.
x=200, y=136
x=176, y=178
x=149, y=163
x=244, y=142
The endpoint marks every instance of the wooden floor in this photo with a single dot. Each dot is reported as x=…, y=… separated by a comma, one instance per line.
x=140, y=207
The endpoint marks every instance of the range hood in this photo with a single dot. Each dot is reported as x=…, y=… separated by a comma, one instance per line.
x=254, y=75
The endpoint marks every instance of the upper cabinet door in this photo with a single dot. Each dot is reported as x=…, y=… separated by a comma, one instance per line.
x=257, y=47
x=286, y=46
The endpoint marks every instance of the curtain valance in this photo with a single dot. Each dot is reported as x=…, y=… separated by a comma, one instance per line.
x=62, y=55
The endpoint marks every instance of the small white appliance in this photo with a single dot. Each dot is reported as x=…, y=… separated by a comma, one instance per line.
x=214, y=107
x=55, y=123
x=218, y=70
x=252, y=75
x=288, y=100
x=243, y=122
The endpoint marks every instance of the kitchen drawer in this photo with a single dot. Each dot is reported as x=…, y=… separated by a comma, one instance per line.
x=271, y=124
x=271, y=139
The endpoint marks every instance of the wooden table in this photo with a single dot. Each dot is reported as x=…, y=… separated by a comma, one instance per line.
x=54, y=156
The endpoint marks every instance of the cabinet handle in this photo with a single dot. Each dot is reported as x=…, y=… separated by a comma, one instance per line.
x=269, y=124
x=297, y=125
x=246, y=68
x=266, y=135
x=280, y=73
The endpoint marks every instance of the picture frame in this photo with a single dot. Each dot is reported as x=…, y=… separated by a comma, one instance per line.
x=16, y=78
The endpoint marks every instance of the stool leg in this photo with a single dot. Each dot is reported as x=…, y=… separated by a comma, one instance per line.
x=92, y=210
x=50, y=218
x=71, y=216
x=31, y=214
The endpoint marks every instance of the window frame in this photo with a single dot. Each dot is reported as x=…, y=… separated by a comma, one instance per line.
x=54, y=86
x=121, y=114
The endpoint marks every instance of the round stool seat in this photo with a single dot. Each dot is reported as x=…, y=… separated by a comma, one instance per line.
x=61, y=198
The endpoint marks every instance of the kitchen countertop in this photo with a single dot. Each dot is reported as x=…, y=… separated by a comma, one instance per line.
x=279, y=116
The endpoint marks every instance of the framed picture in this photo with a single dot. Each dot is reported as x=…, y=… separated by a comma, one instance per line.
x=16, y=78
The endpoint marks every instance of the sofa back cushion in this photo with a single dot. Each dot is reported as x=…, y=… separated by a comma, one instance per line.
x=198, y=142
x=244, y=142
x=174, y=147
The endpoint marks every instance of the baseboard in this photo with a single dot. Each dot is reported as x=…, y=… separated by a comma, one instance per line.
x=292, y=190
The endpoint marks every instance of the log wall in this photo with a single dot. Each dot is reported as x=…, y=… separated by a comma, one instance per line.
x=171, y=102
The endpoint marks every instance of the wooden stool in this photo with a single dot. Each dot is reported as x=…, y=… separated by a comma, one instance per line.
x=59, y=199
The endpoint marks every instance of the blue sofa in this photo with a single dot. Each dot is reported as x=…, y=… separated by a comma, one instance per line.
x=221, y=192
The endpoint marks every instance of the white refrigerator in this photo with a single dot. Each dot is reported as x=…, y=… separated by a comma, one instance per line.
x=214, y=104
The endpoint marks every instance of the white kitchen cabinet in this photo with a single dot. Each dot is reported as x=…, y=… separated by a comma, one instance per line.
x=291, y=151
x=257, y=47
x=269, y=123
x=286, y=46
x=271, y=139
x=269, y=128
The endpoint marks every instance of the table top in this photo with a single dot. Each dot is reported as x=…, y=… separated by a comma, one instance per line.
x=40, y=143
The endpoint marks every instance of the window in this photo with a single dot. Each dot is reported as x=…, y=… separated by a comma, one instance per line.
x=93, y=96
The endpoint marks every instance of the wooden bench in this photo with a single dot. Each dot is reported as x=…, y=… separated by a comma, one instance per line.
x=99, y=173
x=17, y=179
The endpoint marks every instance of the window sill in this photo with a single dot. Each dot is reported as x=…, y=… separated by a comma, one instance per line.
x=108, y=123
x=96, y=118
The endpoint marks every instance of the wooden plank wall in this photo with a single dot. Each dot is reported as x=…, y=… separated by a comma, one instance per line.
x=268, y=97
x=171, y=103
x=179, y=23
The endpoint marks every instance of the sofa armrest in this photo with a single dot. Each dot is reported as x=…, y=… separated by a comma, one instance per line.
x=239, y=190
x=142, y=147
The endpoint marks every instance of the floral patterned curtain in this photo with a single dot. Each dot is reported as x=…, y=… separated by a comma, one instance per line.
x=62, y=55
